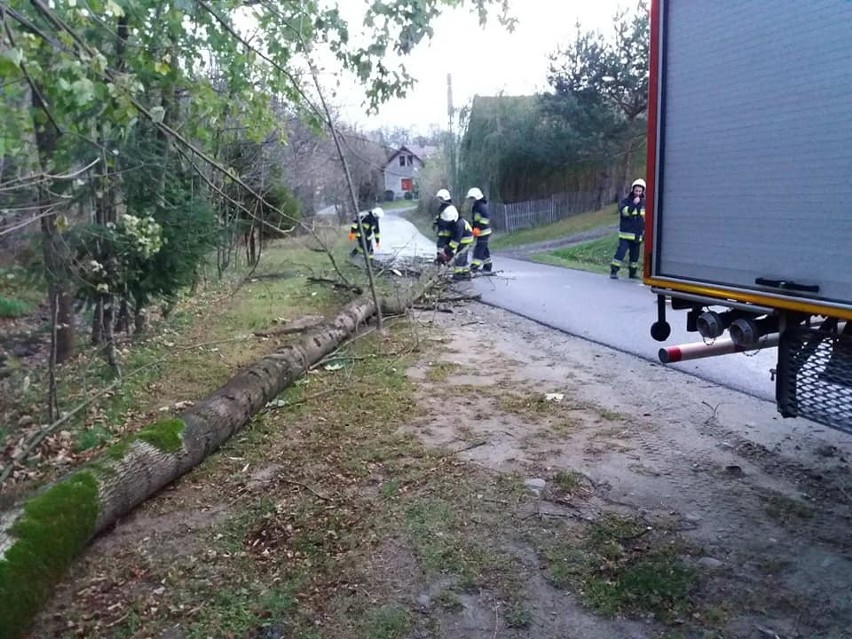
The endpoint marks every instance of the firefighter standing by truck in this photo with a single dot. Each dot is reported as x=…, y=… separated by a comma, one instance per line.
x=630, y=229
x=481, y=231
x=370, y=224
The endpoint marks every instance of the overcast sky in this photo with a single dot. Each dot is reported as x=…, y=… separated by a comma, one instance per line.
x=482, y=61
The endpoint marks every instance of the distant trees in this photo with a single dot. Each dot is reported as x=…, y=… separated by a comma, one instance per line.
x=586, y=133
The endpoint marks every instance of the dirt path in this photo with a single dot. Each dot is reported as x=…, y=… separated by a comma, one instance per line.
x=765, y=502
x=527, y=251
x=488, y=477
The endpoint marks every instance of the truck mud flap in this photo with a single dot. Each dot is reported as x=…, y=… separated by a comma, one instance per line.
x=814, y=376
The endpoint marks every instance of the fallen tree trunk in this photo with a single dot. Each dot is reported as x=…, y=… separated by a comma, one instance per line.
x=336, y=284
x=40, y=537
x=296, y=326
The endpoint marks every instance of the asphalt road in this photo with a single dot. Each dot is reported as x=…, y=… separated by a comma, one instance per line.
x=617, y=314
x=400, y=237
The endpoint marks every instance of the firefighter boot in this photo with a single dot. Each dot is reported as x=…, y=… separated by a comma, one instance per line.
x=633, y=275
x=613, y=273
x=487, y=267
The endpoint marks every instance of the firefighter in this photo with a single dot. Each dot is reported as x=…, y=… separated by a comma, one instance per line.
x=370, y=224
x=630, y=229
x=443, y=228
x=481, y=231
x=458, y=244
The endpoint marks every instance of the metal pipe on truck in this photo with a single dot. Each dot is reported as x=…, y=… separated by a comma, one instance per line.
x=699, y=350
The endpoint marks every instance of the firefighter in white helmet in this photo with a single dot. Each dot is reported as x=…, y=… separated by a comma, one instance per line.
x=631, y=228
x=458, y=243
x=481, y=231
x=370, y=224
x=443, y=227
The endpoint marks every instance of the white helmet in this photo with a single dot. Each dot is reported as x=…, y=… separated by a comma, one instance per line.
x=475, y=194
x=443, y=195
x=638, y=182
x=450, y=214
x=378, y=212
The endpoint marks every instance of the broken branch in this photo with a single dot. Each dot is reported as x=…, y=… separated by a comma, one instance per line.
x=337, y=284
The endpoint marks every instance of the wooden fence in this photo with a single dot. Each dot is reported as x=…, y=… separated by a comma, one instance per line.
x=524, y=215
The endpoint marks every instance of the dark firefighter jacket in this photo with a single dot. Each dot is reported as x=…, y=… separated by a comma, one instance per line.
x=371, y=227
x=481, y=217
x=461, y=236
x=632, y=225
x=444, y=229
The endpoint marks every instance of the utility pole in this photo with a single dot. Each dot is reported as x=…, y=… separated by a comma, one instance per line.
x=451, y=137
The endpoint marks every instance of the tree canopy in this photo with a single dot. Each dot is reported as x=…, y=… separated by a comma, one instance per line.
x=585, y=133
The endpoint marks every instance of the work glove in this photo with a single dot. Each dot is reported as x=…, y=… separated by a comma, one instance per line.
x=476, y=232
x=351, y=236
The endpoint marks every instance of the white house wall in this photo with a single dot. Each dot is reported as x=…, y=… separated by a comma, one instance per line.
x=394, y=174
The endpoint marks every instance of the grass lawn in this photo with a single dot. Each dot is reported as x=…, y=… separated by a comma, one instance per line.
x=569, y=226
x=594, y=256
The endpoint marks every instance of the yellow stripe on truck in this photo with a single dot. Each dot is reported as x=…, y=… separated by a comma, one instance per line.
x=814, y=308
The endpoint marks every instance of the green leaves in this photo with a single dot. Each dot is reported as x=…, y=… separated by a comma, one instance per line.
x=83, y=91
x=10, y=61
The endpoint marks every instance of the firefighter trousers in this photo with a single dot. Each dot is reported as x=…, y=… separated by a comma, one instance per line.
x=481, y=255
x=461, y=270
x=359, y=248
x=634, y=247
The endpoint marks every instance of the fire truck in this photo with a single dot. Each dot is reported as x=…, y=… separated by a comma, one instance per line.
x=749, y=202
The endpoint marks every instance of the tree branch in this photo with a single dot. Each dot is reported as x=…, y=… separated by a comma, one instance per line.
x=259, y=53
x=42, y=103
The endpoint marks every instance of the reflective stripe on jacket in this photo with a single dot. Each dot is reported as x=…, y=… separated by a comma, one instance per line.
x=481, y=217
x=444, y=229
x=632, y=224
x=371, y=227
x=462, y=235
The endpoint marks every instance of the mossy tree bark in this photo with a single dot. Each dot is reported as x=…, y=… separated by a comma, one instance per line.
x=40, y=537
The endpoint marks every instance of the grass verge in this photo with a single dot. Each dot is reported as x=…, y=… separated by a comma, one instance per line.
x=594, y=256
x=620, y=565
x=569, y=226
x=201, y=344
x=337, y=521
